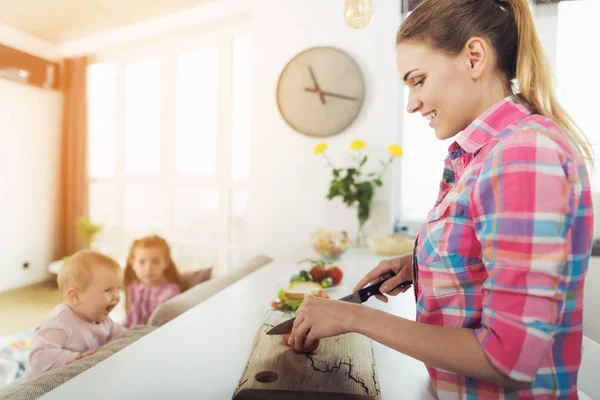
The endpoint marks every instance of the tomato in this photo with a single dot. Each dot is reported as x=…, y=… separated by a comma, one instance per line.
x=335, y=273
x=318, y=273
x=277, y=304
x=324, y=296
x=309, y=349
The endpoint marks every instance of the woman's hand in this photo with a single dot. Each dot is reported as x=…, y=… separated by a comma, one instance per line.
x=401, y=266
x=320, y=318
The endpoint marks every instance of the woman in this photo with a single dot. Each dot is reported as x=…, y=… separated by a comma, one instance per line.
x=499, y=263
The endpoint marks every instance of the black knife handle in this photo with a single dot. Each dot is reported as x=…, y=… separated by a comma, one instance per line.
x=372, y=290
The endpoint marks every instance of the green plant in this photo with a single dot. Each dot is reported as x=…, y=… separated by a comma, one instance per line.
x=355, y=187
x=87, y=230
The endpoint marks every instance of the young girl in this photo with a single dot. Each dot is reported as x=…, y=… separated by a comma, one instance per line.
x=90, y=284
x=151, y=278
x=500, y=261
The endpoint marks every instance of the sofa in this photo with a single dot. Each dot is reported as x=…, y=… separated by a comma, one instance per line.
x=167, y=311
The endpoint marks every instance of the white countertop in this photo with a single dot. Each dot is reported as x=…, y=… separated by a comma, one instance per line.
x=202, y=353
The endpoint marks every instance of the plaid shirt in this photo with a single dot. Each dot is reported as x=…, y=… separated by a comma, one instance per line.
x=143, y=300
x=505, y=250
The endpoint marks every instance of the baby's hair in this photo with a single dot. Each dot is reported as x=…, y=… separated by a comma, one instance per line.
x=155, y=242
x=77, y=270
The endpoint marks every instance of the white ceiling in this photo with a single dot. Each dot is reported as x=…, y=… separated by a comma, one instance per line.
x=60, y=20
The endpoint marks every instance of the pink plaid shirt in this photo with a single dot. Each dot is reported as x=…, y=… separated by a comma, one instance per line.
x=142, y=300
x=505, y=250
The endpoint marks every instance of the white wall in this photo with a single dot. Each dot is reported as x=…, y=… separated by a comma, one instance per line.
x=30, y=125
x=288, y=183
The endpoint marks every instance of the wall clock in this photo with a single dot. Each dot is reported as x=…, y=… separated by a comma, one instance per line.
x=320, y=91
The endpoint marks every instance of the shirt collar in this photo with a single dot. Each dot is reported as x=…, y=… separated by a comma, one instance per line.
x=488, y=125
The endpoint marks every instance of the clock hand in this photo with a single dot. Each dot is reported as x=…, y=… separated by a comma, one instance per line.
x=341, y=96
x=317, y=89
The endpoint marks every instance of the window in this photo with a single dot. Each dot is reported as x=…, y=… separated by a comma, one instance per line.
x=102, y=118
x=142, y=117
x=576, y=69
x=169, y=146
x=241, y=116
x=197, y=112
x=421, y=167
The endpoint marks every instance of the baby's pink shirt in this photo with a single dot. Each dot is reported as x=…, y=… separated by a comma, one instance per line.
x=62, y=335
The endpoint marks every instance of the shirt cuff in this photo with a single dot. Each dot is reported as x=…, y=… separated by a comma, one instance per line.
x=514, y=349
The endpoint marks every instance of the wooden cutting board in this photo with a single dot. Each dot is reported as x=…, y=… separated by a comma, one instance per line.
x=342, y=367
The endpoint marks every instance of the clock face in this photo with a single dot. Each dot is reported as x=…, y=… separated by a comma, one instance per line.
x=320, y=91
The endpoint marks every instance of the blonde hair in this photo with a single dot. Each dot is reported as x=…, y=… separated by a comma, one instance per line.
x=77, y=270
x=508, y=24
x=155, y=242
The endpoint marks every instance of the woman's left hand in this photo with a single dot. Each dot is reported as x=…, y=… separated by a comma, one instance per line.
x=320, y=318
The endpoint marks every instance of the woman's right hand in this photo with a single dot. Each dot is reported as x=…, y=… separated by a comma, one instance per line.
x=402, y=268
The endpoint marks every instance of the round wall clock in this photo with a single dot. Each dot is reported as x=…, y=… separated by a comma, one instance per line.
x=320, y=91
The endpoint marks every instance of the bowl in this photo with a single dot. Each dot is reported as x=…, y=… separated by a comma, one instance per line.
x=391, y=245
x=330, y=244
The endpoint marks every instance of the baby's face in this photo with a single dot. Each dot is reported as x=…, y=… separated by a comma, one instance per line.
x=101, y=296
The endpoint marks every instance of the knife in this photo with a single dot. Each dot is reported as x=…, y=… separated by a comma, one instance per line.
x=357, y=297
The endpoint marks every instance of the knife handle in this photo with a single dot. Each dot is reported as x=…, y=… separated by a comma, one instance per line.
x=373, y=290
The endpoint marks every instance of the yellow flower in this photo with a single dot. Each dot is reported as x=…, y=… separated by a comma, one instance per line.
x=320, y=148
x=395, y=150
x=357, y=144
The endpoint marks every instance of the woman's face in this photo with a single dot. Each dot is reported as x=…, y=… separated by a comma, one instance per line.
x=441, y=87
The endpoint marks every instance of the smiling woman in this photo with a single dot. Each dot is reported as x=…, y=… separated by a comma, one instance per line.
x=512, y=223
x=560, y=26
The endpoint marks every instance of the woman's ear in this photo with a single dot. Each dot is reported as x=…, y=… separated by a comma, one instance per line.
x=73, y=296
x=476, y=52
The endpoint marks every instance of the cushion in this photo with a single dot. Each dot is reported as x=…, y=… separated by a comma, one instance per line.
x=194, y=278
x=181, y=303
x=37, y=387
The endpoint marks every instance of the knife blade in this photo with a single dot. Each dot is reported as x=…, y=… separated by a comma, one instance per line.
x=357, y=297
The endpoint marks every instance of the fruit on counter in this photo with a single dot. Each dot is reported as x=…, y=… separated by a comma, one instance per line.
x=335, y=273
x=313, y=346
x=318, y=272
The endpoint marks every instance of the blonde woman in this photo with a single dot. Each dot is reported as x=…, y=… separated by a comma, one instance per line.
x=500, y=261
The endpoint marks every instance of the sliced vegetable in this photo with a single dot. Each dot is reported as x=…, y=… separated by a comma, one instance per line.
x=306, y=275
x=327, y=282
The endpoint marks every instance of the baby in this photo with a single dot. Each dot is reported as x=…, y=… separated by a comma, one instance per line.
x=89, y=282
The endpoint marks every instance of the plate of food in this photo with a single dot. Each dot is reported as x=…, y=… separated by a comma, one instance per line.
x=321, y=276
